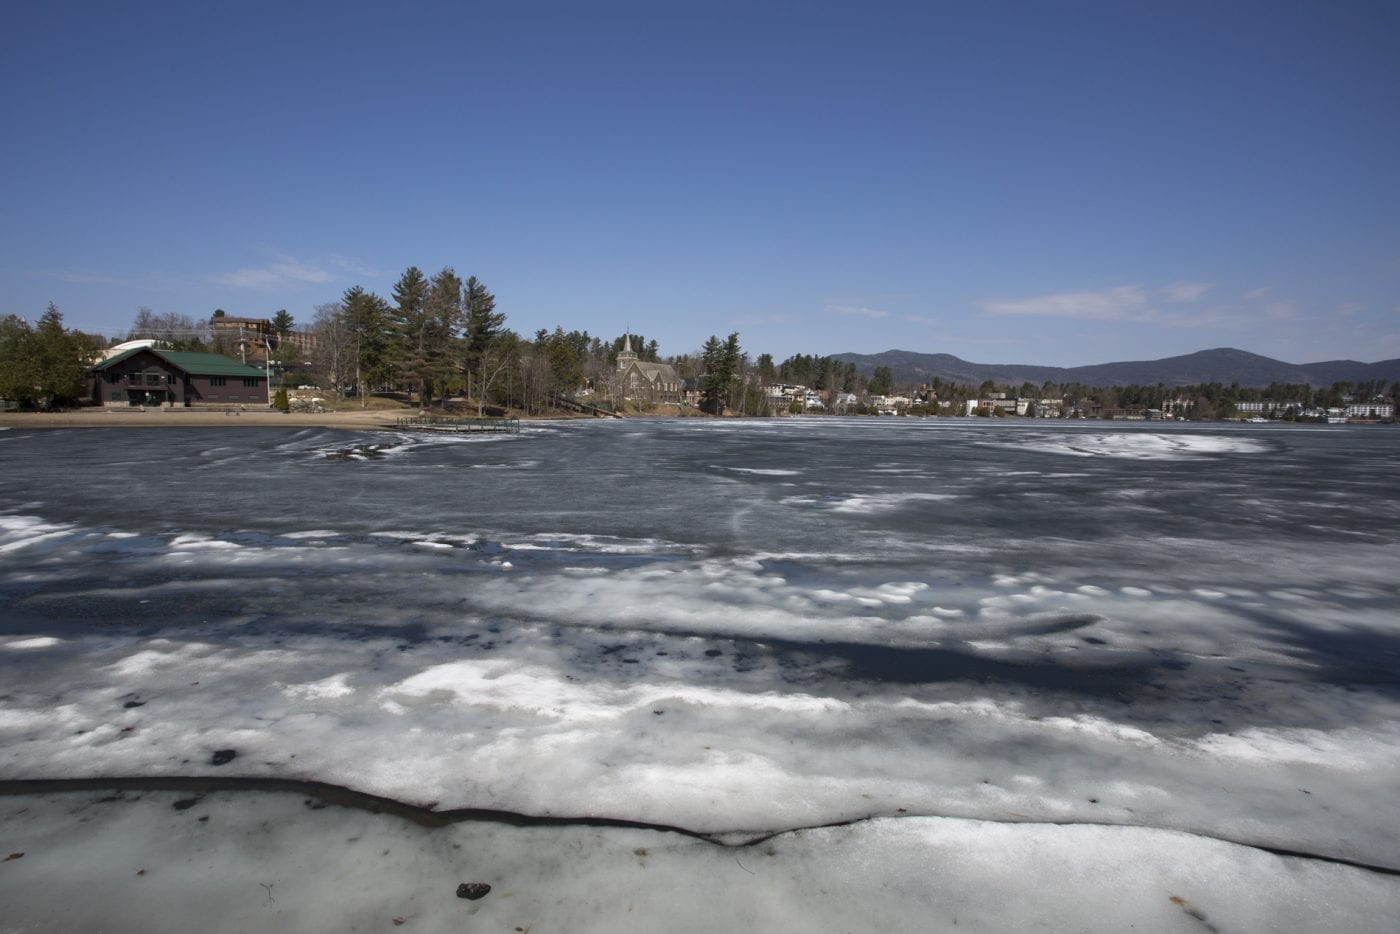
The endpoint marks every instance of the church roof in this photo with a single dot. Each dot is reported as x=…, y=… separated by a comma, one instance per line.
x=654, y=370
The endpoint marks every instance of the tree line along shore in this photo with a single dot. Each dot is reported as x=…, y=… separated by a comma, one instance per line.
x=438, y=344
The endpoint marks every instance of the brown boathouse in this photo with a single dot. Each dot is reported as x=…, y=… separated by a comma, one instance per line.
x=151, y=376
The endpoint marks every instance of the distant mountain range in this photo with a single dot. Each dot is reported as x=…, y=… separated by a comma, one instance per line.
x=1222, y=365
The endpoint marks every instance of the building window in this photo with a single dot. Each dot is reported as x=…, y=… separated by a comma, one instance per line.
x=218, y=381
x=153, y=379
x=254, y=381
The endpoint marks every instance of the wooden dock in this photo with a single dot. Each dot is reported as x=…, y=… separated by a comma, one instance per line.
x=458, y=425
x=565, y=401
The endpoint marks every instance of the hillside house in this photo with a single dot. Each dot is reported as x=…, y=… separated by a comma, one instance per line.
x=993, y=402
x=258, y=335
x=783, y=392
x=1368, y=410
x=890, y=405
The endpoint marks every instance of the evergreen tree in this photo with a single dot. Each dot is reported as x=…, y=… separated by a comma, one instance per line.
x=882, y=381
x=43, y=366
x=737, y=366
x=282, y=323
x=483, y=326
x=60, y=361
x=565, y=359
x=443, y=328
x=767, y=372
x=366, y=318
x=721, y=362
x=409, y=324
x=18, y=374
x=283, y=353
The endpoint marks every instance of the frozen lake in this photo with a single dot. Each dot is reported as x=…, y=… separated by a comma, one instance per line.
x=807, y=674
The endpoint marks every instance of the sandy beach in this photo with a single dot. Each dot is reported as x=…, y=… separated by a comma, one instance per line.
x=379, y=415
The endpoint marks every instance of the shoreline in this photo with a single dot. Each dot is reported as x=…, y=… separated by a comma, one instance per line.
x=195, y=418
x=108, y=417
x=243, y=418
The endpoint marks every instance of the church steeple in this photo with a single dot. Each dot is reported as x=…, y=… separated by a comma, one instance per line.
x=626, y=356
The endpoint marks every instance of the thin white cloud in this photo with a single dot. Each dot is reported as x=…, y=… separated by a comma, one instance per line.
x=284, y=272
x=761, y=320
x=1183, y=292
x=1232, y=316
x=351, y=265
x=1122, y=303
x=1254, y=295
x=858, y=310
x=1222, y=317
x=942, y=335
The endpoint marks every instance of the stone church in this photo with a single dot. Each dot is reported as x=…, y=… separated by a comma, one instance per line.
x=645, y=381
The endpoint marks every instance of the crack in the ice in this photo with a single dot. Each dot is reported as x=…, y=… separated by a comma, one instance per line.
x=341, y=796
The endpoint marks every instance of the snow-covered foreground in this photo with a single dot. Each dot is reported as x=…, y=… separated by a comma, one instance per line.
x=225, y=862
x=1087, y=677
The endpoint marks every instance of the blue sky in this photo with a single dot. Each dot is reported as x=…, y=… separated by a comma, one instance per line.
x=1057, y=183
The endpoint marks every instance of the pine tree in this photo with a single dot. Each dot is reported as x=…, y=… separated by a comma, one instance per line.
x=59, y=363
x=283, y=353
x=483, y=327
x=366, y=317
x=410, y=328
x=882, y=381
x=282, y=323
x=44, y=365
x=565, y=360
x=721, y=362
x=483, y=322
x=442, y=330
x=767, y=372
x=18, y=374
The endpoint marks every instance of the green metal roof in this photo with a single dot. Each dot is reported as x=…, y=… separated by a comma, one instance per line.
x=103, y=364
x=209, y=364
x=192, y=362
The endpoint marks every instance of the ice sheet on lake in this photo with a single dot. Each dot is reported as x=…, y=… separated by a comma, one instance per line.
x=1137, y=445
x=919, y=629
